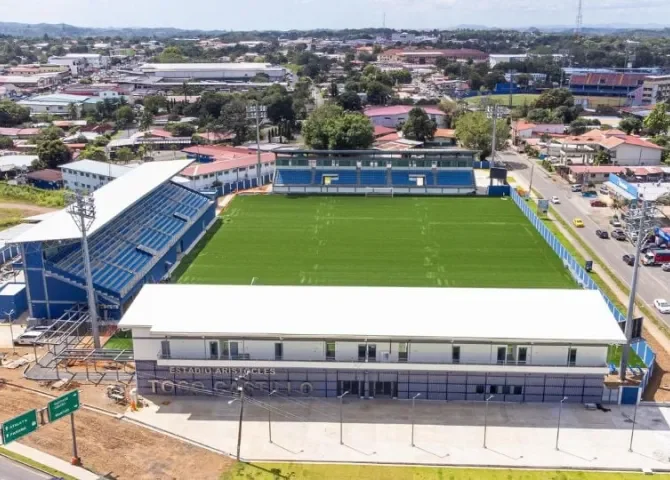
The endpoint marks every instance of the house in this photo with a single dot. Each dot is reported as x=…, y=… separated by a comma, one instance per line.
x=47, y=179
x=444, y=137
x=627, y=150
x=430, y=56
x=524, y=130
x=592, y=173
x=34, y=82
x=395, y=115
x=19, y=133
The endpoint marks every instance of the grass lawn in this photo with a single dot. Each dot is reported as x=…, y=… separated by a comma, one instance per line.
x=10, y=217
x=120, y=341
x=401, y=241
x=280, y=471
x=614, y=356
x=518, y=99
x=31, y=463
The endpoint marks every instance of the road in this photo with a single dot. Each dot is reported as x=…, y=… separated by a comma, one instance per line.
x=652, y=282
x=10, y=470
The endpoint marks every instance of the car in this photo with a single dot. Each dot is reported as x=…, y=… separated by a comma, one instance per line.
x=29, y=337
x=604, y=190
x=619, y=234
x=662, y=305
x=578, y=222
x=665, y=267
x=629, y=260
x=615, y=222
x=602, y=234
x=576, y=187
x=598, y=203
x=555, y=200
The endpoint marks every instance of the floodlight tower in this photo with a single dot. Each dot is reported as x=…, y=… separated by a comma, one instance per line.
x=82, y=211
x=256, y=111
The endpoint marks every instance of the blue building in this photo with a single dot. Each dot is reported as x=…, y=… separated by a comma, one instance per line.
x=144, y=223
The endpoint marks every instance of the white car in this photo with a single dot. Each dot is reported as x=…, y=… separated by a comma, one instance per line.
x=30, y=337
x=555, y=200
x=662, y=305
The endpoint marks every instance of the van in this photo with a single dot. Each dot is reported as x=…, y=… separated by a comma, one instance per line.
x=577, y=187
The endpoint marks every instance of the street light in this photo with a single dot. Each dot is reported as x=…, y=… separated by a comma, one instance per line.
x=341, y=402
x=240, y=390
x=270, y=417
x=82, y=211
x=558, y=429
x=486, y=417
x=11, y=329
x=412, y=415
x=632, y=432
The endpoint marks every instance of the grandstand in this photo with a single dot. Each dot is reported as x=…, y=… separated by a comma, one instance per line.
x=144, y=224
x=412, y=172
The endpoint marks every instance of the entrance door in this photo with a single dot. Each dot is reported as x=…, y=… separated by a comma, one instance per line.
x=382, y=389
x=351, y=386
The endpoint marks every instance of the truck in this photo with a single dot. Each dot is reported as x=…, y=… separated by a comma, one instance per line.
x=656, y=257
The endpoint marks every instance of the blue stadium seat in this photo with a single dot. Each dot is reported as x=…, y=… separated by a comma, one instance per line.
x=293, y=177
x=455, y=178
x=150, y=223
x=373, y=177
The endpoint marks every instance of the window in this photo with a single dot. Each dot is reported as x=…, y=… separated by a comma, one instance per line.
x=505, y=389
x=361, y=352
x=501, y=355
x=517, y=390
x=572, y=357
x=234, y=350
x=165, y=348
x=372, y=353
x=493, y=389
x=225, y=351
x=480, y=389
x=330, y=351
x=402, y=351
x=522, y=355
x=279, y=351
x=214, y=350
x=455, y=354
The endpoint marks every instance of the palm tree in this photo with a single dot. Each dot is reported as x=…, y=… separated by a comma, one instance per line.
x=73, y=113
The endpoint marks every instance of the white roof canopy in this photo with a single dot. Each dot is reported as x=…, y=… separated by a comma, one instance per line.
x=459, y=314
x=110, y=201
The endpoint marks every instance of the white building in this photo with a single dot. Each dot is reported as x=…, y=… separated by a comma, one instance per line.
x=403, y=37
x=655, y=88
x=54, y=104
x=397, y=114
x=212, y=71
x=79, y=62
x=89, y=175
x=445, y=343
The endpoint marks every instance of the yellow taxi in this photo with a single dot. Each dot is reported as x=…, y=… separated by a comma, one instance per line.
x=577, y=222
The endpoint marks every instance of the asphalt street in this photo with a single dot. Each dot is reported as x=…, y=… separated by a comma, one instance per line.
x=10, y=470
x=652, y=281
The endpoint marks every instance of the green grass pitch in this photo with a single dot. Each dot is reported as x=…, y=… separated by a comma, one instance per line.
x=383, y=241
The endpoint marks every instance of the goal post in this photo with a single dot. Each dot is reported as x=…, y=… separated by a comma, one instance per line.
x=379, y=192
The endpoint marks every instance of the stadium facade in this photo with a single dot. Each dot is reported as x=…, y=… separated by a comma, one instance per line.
x=364, y=172
x=144, y=223
x=375, y=342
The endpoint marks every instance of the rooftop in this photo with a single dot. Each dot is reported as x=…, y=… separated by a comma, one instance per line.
x=206, y=66
x=110, y=201
x=399, y=110
x=97, y=168
x=548, y=315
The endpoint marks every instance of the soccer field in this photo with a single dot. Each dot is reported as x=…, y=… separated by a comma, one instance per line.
x=400, y=241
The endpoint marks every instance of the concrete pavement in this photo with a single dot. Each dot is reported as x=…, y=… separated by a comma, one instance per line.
x=46, y=460
x=446, y=433
x=652, y=282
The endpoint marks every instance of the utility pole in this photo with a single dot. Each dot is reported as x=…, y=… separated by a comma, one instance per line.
x=558, y=427
x=270, y=417
x=11, y=329
x=642, y=215
x=254, y=112
x=82, y=211
x=341, y=402
x=412, y=415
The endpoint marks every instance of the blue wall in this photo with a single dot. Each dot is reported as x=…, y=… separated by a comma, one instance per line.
x=17, y=302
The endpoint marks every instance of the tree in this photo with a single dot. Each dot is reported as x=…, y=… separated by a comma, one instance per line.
x=657, y=122
x=350, y=101
x=52, y=153
x=146, y=121
x=631, y=125
x=578, y=127
x=124, y=154
x=181, y=129
x=451, y=109
x=419, y=126
x=378, y=93
x=125, y=116
x=154, y=103
x=330, y=127
x=279, y=107
x=12, y=114
x=6, y=142
x=49, y=133
x=334, y=91
x=234, y=119
x=171, y=55
x=401, y=76
x=474, y=131
x=603, y=157
x=91, y=152
x=73, y=112
x=554, y=98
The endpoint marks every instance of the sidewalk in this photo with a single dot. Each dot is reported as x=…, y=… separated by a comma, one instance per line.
x=51, y=461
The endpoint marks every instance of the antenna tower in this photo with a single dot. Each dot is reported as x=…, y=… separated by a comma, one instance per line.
x=578, y=23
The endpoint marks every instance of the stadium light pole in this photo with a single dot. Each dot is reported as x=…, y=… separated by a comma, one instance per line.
x=558, y=427
x=341, y=402
x=11, y=330
x=254, y=112
x=82, y=211
x=270, y=417
x=412, y=415
x=486, y=417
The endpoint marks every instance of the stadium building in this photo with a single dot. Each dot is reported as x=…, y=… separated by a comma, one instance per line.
x=375, y=342
x=144, y=223
x=410, y=172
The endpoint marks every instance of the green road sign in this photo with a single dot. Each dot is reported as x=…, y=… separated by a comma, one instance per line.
x=17, y=427
x=63, y=405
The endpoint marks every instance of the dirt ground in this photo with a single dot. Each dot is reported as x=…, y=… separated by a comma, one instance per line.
x=108, y=445
x=27, y=209
x=658, y=389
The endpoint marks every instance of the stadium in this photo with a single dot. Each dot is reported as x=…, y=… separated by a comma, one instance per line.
x=380, y=275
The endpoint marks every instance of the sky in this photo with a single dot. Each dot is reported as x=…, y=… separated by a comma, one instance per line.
x=335, y=14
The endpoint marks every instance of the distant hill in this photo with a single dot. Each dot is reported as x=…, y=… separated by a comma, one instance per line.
x=65, y=30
